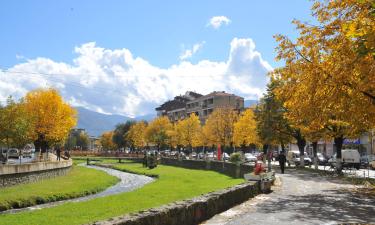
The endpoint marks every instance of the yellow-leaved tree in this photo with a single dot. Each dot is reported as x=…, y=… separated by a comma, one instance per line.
x=219, y=126
x=157, y=131
x=325, y=84
x=137, y=135
x=188, y=131
x=106, y=141
x=245, y=132
x=51, y=118
x=14, y=124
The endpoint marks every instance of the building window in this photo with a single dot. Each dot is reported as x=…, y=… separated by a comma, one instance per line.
x=210, y=101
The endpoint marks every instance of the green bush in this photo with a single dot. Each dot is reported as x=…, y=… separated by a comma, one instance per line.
x=236, y=157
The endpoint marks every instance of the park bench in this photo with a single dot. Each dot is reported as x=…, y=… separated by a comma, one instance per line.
x=265, y=180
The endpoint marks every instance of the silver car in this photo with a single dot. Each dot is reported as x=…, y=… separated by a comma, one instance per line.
x=13, y=153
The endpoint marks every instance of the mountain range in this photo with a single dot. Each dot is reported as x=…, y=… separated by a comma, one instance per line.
x=96, y=123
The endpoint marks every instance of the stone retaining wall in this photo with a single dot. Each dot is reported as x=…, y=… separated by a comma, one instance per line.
x=31, y=172
x=226, y=168
x=192, y=211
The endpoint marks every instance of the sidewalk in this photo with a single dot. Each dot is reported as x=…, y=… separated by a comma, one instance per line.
x=301, y=197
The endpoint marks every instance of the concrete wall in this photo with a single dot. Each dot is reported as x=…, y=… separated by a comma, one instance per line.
x=192, y=211
x=31, y=172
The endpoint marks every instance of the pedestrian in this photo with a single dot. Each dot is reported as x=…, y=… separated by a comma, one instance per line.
x=282, y=160
x=58, y=153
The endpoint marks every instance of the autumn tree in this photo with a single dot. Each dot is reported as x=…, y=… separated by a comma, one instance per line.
x=14, y=124
x=137, y=135
x=325, y=83
x=119, y=135
x=245, y=129
x=189, y=131
x=157, y=131
x=51, y=117
x=106, y=141
x=219, y=127
x=272, y=125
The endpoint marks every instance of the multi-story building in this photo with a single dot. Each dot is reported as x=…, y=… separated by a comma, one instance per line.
x=202, y=105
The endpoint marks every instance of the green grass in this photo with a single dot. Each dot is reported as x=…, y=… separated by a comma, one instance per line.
x=173, y=184
x=79, y=181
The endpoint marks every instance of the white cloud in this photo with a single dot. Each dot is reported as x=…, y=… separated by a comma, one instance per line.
x=188, y=53
x=217, y=21
x=115, y=81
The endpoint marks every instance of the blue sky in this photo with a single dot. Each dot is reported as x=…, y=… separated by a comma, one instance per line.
x=158, y=32
x=154, y=30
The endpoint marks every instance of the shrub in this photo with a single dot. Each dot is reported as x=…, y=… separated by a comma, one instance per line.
x=236, y=157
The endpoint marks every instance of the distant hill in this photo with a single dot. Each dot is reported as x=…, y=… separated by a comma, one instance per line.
x=249, y=103
x=96, y=123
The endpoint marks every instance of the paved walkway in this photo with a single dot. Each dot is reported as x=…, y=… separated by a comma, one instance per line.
x=303, y=198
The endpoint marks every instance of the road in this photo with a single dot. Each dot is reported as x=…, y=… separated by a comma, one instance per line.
x=353, y=172
x=301, y=197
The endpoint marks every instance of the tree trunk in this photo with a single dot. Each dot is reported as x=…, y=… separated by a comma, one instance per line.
x=269, y=159
x=315, y=149
x=301, y=142
x=338, y=143
x=265, y=148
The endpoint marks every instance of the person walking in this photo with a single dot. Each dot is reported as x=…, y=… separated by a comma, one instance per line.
x=282, y=160
x=58, y=153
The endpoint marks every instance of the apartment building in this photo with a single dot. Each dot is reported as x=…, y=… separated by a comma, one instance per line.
x=202, y=105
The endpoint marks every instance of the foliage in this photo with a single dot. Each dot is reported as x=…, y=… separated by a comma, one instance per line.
x=173, y=184
x=137, y=134
x=78, y=182
x=235, y=157
x=188, y=131
x=106, y=141
x=119, y=134
x=14, y=124
x=245, y=129
x=157, y=131
x=272, y=126
x=219, y=126
x=78, y=139
x=325, y=84
x=50, y=115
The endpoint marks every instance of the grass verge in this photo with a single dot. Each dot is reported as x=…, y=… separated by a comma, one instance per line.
x=79, y=181
x=173, y=184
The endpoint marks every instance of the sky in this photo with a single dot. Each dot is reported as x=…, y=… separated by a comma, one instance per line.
x=127, y=57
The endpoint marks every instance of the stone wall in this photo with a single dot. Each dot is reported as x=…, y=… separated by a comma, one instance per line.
x=192, y=211
x=31, y=172
x=226, y=168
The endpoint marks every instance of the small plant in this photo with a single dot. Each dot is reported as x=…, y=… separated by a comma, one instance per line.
x=236, y=157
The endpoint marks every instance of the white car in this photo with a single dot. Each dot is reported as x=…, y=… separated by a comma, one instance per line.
x=293, y=157
x=250, y=157
x=349, y=157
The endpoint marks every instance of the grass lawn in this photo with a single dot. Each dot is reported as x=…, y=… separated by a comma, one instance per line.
x=173, y=184
x=79, y=181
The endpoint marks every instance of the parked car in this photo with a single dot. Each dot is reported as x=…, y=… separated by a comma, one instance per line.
x=322, y=160
x=365, y=160
x=201, y=155
x=293, y=157
x=210, y=155
x=225, y=156
x=250, y=157
x=349, y=157
x=26, y=153
x=13, y=153
x=372, y=164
